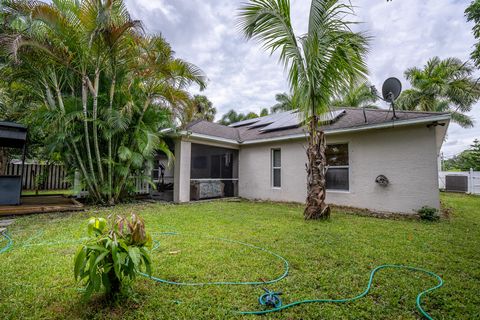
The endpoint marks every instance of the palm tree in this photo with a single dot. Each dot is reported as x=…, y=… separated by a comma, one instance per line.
x=357, y=95
x=232, y=116
x=442, y=86
x=104, y=88
x=198, y=108
x=320, y=63
x=284, y=103
x=205, y=107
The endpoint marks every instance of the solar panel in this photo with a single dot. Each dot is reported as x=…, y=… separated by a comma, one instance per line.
x=270, y=119
x=244, y=122
x=331, y=116
x=290, y=120
x=294, y=119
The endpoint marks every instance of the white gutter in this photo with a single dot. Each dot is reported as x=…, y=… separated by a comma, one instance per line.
x=392, y=124
x=208, y=137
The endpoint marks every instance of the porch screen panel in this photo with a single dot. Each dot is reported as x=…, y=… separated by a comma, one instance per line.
x=215, y=165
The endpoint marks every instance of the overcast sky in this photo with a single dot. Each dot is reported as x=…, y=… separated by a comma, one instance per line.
x=243, y=77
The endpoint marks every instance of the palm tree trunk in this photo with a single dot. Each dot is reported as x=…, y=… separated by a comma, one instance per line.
x=124, y=177
x=110, y=173
x=93, y=191
x=85, y=125
x=95, y=129
x=316, y=208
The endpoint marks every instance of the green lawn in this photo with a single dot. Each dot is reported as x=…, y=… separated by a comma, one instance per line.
x=328, y=260
x=46, y=192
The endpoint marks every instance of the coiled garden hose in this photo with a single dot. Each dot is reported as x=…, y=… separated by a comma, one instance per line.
x=363, y=294
x=270, y=298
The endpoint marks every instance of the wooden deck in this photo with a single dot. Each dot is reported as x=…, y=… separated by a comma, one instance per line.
x=42, y=204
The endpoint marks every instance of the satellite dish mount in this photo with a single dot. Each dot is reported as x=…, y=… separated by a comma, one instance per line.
x=391, y=89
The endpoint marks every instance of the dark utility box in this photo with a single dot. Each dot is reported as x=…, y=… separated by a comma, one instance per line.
x=10, y=190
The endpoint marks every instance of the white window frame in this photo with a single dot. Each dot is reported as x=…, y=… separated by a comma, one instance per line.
x=341, y=167
x=273, y=168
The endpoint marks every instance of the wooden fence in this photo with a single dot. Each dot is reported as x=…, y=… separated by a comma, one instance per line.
x=50, y=177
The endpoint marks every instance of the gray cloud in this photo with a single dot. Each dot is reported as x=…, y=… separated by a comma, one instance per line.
x=242, y=76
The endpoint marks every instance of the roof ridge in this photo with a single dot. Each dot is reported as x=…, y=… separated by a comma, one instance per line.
x=390, y=110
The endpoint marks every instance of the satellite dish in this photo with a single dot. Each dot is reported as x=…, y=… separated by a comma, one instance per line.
x=391, y=89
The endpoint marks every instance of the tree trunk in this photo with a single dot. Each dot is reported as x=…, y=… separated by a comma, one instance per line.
x=85, y=125
x=111, y=201
x=96, y=82
x=316, y=208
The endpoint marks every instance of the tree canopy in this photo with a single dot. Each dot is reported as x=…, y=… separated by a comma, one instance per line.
x=356, y=95
x=472, y=13
x=232, y=116
x=285, y=102
x=102, y=89
x=198, y=108
x=466, y=160
x=442, y=86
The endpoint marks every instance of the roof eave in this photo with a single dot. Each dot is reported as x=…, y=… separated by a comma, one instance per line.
x=392, y=124
x=442, y=117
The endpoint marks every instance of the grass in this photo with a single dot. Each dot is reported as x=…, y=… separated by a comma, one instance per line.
x=328, y=260
x=46, y=192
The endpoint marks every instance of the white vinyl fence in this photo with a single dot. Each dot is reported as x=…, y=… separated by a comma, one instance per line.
x=472, y=178
x=141, y=186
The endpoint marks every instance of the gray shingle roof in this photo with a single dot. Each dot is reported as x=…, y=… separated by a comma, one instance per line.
x=352, y=118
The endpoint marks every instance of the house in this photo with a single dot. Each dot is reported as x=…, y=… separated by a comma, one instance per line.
x=375, y=161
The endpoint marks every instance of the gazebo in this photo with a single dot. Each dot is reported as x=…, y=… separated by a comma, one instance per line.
x=12, y=135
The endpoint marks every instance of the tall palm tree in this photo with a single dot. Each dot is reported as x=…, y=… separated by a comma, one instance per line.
x=443, y=86
x=199, y=107
x=285, y=102
x=104, y=88
x=357, y=95
x=320, y=63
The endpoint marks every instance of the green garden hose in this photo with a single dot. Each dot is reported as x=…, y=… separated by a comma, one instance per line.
x=363, y=294
x=9, y=244
x=271, y=298
x=284, y=274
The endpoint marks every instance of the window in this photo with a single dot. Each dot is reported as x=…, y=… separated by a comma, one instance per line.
x=338, y=167
x=276, y=168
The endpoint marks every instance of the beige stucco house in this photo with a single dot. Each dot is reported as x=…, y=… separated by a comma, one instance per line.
x=375, y=161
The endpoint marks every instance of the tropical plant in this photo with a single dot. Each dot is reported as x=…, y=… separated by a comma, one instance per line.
x=320, y=64
x=232, y=116
x=472, y=13
x=442, y=86
x=285, y=102
x=198, y=108
x=357, y=95
x=104, y=87
x=113, y=256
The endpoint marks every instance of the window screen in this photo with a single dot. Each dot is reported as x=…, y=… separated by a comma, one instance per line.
x=338, y=167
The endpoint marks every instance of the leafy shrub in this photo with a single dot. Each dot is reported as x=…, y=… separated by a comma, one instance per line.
x=429, y=214
x=113, y=256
